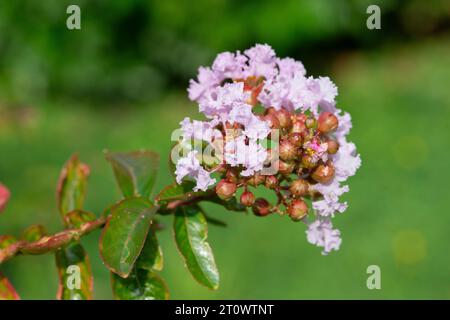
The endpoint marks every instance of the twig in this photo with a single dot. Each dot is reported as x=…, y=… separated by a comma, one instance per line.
x=50, y=243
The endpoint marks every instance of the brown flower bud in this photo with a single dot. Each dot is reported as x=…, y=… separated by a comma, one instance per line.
x=271, y=110
x=271, y=182
x=299, y=187
x=298, y=209
x=327, y=122
x=256, y=180
x=323, y=173
x=225, y=189
x=333, y=146
x=284, y=118
x=298, y=127
x=231, y=176
x=296, y=139
x=286, y=167
x=307, y=135
x=308, y=161
x=301, y=117
x=247, y=198
x=261, y=207
x=287, y=151
x=272, y=120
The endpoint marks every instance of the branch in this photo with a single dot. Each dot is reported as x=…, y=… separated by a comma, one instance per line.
x=50, y=243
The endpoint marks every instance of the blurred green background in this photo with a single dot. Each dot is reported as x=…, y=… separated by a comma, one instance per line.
x=120, y=83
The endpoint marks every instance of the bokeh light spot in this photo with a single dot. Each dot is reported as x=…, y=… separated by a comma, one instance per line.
x=409, y=246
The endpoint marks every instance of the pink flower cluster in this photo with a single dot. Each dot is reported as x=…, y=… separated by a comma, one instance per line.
x=227, y=94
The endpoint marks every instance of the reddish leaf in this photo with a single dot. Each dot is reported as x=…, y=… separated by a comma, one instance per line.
x=72, y=186
x=7, y=291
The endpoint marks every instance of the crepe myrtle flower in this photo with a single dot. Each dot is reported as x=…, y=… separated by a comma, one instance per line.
x=248, y=98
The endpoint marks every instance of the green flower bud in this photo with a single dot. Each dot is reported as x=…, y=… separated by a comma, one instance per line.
x=310, y=123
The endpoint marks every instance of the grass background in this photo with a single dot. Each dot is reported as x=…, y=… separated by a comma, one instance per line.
x=398, y=216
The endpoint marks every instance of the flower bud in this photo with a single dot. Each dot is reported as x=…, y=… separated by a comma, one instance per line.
x=301, y=117
x=299, y=187
x=298, y=127
x=327, y=122
x=261, y=207
x=323, y=173
x=225, y=189
x=296, y=139
x=284, y=118
x=333, y=146
x=271, y=110
x=307, y=135
x=272, y=121
x=256, y=180
x=310, y=123
x=298, y=209
x=308, y=161
x=231, y=176
x=271, y=182
x=286, y=168
x=247, y=198
x=287, y=151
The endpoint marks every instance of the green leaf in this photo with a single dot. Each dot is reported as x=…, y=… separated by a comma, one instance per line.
x=76, y=218
x=7, y=291
x=124, y=234
x=151, y=257
x=191, y=232
x=72, y=186
x=135, y=172
x=33, y=233
x=177, y=191
x=74, y=273
x=140, y=285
